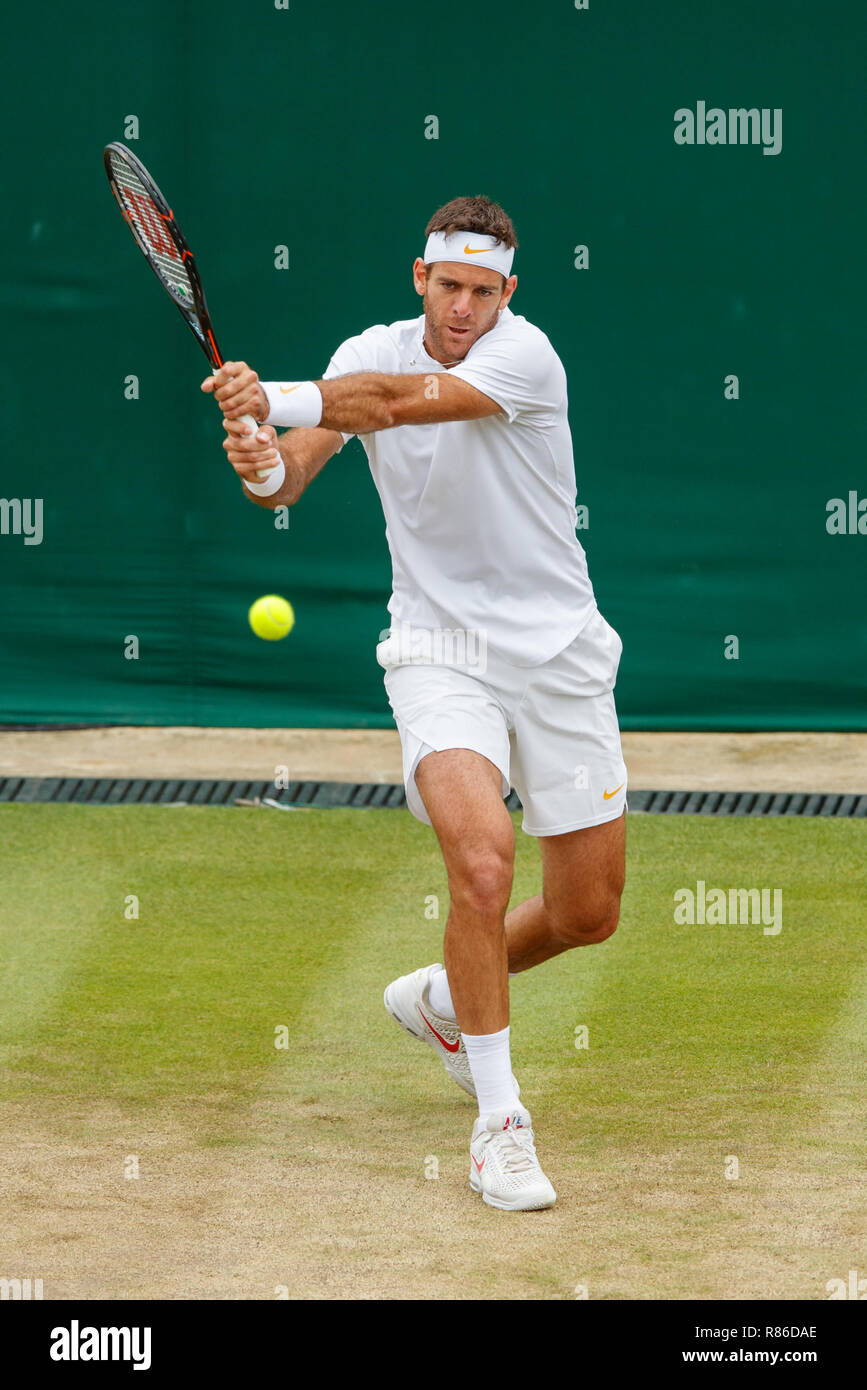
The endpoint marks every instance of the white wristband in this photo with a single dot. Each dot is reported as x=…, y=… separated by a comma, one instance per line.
x=293, y=403
x=272, y=483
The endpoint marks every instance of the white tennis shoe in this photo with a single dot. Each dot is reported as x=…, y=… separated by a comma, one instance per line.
x=407, y=1001
x=503, y=1163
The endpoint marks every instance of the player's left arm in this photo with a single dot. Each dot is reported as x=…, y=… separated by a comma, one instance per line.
x=363, y=402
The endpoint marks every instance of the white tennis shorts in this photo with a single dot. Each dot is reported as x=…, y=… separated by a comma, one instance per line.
x=551, y=730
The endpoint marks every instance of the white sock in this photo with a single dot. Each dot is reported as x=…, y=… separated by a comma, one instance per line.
x=440, y=998
x=491, y=1067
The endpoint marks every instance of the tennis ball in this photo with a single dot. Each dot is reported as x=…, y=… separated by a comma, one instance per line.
x=271, y=617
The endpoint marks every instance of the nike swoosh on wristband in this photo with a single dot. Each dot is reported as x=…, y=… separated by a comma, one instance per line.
x=449, y=1047
x=608, y=795
x=284, y=390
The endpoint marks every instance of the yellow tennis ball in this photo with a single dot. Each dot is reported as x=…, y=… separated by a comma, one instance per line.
x=271, y=617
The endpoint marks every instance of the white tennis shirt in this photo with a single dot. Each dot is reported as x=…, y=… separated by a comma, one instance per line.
x=480, y=514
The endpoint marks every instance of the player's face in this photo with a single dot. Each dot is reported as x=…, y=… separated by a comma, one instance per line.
x=460, y=304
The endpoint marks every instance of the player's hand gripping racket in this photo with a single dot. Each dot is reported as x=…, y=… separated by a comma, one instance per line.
x=159, y=237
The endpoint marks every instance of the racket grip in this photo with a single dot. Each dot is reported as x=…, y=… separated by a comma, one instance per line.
x=266, y=473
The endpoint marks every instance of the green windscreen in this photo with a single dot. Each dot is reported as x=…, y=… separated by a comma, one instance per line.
x=706, y=294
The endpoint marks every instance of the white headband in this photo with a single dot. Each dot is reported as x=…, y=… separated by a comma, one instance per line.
x=472, y=247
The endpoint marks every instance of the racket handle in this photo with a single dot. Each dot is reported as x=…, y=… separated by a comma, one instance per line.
x=248, y=420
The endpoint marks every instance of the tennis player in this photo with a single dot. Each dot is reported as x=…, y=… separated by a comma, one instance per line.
x=499, y=667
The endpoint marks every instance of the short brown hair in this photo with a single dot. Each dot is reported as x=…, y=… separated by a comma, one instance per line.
x=479, y=215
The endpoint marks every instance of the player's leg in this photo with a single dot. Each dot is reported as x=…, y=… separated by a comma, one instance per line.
x=464, y=789
x=583, y=874
x=455, y=738
x=461, y=791
x=462, y=794
x=567, y=766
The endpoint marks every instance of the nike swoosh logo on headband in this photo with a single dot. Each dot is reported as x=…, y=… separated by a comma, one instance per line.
x=475, y=250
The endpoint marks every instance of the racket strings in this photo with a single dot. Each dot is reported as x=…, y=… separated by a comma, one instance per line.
x=153, y=234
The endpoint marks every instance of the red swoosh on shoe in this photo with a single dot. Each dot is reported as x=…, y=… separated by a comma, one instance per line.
x=479, y=1166
x=449, y=1047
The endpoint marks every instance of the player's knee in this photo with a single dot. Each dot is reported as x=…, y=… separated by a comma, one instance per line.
x=481, y=882
x=590, y=923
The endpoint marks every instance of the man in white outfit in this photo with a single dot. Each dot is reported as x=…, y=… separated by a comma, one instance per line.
x=499, y=667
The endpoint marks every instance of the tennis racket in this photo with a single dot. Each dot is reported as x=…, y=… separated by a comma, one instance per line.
x=159, y=238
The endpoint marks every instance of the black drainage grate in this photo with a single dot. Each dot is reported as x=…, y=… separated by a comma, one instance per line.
x=120, y=791
x=749, y=803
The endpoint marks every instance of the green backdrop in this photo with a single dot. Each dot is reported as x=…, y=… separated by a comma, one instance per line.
x=305, y=127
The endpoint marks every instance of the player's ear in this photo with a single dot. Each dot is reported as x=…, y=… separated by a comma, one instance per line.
x=419, y=274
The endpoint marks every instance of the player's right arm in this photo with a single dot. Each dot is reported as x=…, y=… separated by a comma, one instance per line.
x=304, y=454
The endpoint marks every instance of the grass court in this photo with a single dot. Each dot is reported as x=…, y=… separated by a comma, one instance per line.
x=209, y=1101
